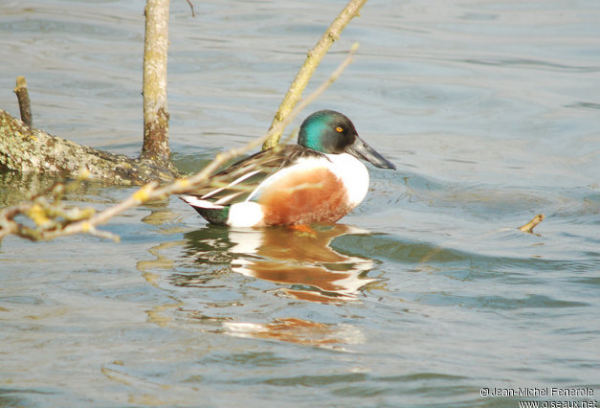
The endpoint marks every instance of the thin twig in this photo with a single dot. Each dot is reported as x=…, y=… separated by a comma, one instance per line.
x=314, y=57
x=192, y=7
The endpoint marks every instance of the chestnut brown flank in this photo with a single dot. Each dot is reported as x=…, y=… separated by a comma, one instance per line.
x=305, y=198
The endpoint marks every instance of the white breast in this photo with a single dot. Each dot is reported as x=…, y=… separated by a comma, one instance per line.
x=353, y=174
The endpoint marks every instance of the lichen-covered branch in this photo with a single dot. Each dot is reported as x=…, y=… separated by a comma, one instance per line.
x=156, y=115
x=27, y=150
x=314, y=57
x=53, y=219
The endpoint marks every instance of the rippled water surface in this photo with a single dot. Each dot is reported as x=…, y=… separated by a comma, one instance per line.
x=425, y=295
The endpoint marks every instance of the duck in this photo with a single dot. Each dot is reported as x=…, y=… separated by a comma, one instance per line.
x=320, y=179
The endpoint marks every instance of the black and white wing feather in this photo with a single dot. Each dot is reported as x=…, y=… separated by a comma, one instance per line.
x=237, y=182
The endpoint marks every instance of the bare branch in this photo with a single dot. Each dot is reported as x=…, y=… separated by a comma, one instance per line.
x=156, y=115
x=314, y=57
x=24, y=103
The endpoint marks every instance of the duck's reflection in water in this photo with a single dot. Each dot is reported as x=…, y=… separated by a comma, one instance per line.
x=303, y=264
x=298, y=331
x=302, y=261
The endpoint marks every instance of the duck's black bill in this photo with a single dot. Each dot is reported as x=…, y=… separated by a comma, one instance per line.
x=361, y=150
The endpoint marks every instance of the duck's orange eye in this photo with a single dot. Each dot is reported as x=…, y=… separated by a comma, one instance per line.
x=339, y=129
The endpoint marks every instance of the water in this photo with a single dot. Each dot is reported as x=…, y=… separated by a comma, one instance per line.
x=426, y=294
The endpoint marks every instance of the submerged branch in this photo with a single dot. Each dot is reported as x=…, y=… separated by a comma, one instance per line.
x=313, y=59
x=532, y=224
x=51, y=221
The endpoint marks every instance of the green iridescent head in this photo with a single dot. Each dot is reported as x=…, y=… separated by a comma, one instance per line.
x=331, y=132
x=327, y=131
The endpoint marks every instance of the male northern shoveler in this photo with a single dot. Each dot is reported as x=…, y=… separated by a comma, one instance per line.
x=321, y=179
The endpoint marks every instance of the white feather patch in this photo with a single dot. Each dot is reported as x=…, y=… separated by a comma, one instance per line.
x=228, y=198
x=354, y=176
x=245, y=214
x=233, y=183
x=197, y=202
